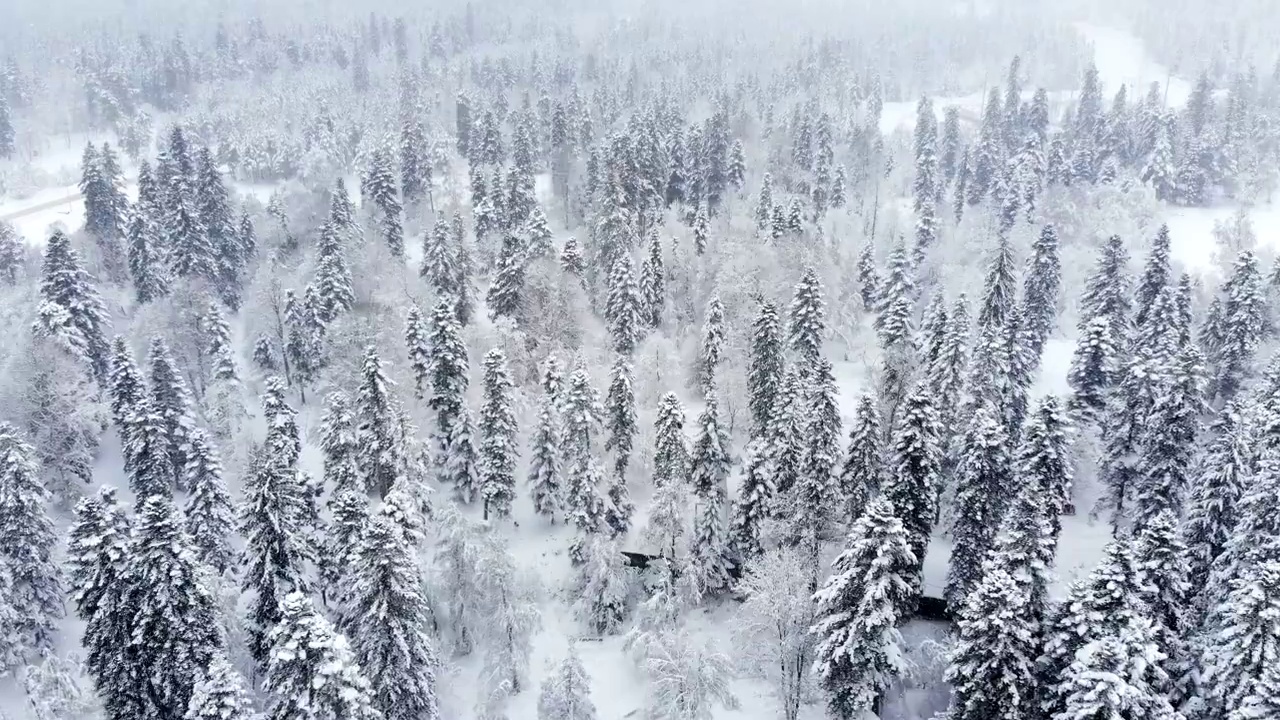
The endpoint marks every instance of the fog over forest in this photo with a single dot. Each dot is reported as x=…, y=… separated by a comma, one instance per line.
x=639, y=360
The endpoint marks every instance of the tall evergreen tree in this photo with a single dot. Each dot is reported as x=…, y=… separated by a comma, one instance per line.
x=312, y=672
x=448, y=369
x=1155, y=276
x=764, y=374
x=583, y=477
x=653, y=284
x=1094, y=366
x=808, y=318
x=275, y=552
x=1238, y=656
x=1215, y=494
x=755, y=503
x=546, y=469
x=982, y=483
x=127, y=388
x=71, y=310
x=567, y=694
x=620, y=415
x=175, y=628
x=415, y=338
x=1233, y=336
x=498, y=452
x=859, y=610
x=171, y=400
x=26, y=547
x=210, y=519
x=1106, y=292
x=379, y=187
x=815, y=496
x=623, y=310
x=914, y=479
x=389, y=619
x=992, y=665
x=863, y=471
x=220, y=694
x=333, y=278
x=506, y=294
x=214, y=210
x=712, y=350
x=1040, y=292
x=708, y=472
x=379, y=444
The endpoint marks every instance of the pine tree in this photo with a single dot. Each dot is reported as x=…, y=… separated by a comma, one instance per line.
x=814, y=497
x=209, y=515
x=623, y=310
x=275, y=551
x=570, y=257
x=947, y=372
x=175, y=622
x=172, y=402
x=1043, y=459
x=349, y=519
x=26, y=547
x=764, y=374
x=1160, y=558
x=506, y=294
x=379, y=449
x=7, y=145
x=312, y=672
x=214, y=209
x=1040, y=292
x=220, y=694
x=671, y=452
x=448, y=369
x=461, y=460
x=982, y=483
x=863, y=471
x=708, y=473
x=66, y=293
x=653, y=284
x=148, y=463
x=415, y=338
x=566, y=695
x=1168, y=438
x=389, y=619
x=1113, y=678
x=1155, y=277
x=498, y=452
x=992, y=665
x=333, y=278
x=764, y=207
x=913, y=480
x=859, y=609
x=712, y=350
x=894, y=324
x=439, y=259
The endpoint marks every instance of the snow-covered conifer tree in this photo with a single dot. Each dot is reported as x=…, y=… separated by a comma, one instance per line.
x=220, y=694
x=583, y=504
x=415, y=337
x=448, y=369
x=863, y=471
x=708, y=472
x=545, y=467
x=71, y=311
x=623, y=309
x=982, y=483
x=712, y=350
x=209, y=515
x=1040, y=292
x=913, y=479
x=992, y=665
x=312, y=672
x=498, y=452
x=26, y=548
x=379, y=187
x=808, y=318
x=171, y=400
x=333, y=278
x=653, y=283
x=764, y=374
x=602, y=586
x=859, y=608
x=1215, y=493
x=566, y=695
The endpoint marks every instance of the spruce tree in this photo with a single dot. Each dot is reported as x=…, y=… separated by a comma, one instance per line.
x=275, y=551
x=1233, y=338
x=127, y=388
x=859, y=609
x=992, y=665
x=1043, y=459
x=389, y=619
x=1118, y=676
x=12, y=254
x=171, y=400
x=653, y=284
x=209, y=514
x=1040, y=292
x=947, y=371
x=623, y=309
x=220, y=694
x=214, y=208
x=1155, y=277
x=620, y=415
x=218, y=346
x=66, y=294
x=333, y=278
x=583, y=505
x=863, y=471
x=709, y=466
x=379, y=447
x=712, y=350
x=175, y=621
x=764, y=373
x=1215, y=494
x=754, y=505
x=448, y=369
x=546, y=470
x=148, y=464
x=506, y=294
x=1168, y=438
x=1160, y=558
x=460, y=462
x=913, y=480
x=1093, y=370
x=808, y=319
x=348, y=521
x=498, y=452
x=379, y=188
x=312, y=672
x=1246, y=644
x=671, y=452
x=1106, y=292
x=982, y=483
x=415, y=338
x=814, y=498
x=26, y=546
x=8, y=147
